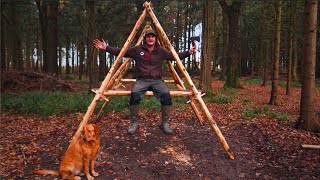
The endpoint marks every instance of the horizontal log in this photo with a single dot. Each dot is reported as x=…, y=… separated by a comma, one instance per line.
x=134, y=80
x=148, y=93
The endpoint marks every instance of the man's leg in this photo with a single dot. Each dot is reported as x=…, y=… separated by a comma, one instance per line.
x=134, y=110
x=165, y=126
x=161, y=90
x=137, y=92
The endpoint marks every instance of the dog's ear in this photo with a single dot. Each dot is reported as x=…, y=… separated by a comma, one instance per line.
x=96, y=128
x=84, y=129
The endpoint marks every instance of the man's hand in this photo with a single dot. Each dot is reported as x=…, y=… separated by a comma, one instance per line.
x=193, y=50
x=100, y=44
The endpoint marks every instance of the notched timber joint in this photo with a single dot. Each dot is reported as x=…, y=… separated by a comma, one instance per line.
x=100, y=95
x=195, y=98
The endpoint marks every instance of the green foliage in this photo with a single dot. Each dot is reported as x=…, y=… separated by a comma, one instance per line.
x=278, y=116
x=258, y=81
x=68, y=123
x=254, y=112
x=45, y=103
x=179, y=103
x=246, y=101
x=219, y=98
x=150, y=103
x=118, y=103
x=255, y=81
x=228, y=91
x=293, y=84
x=51, y=103
x=264, y=111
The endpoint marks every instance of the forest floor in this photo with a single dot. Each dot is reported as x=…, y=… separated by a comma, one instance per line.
x=264, y=146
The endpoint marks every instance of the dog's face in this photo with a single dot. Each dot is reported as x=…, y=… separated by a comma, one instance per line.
x=90, y=131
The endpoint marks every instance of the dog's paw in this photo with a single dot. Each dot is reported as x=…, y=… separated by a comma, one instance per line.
x=90, y=177
x=77, y=177
x=95, y=174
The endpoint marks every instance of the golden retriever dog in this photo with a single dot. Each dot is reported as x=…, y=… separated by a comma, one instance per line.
x=81, y=154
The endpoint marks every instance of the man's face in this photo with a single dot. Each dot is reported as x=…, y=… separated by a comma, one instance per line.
x=150, y=39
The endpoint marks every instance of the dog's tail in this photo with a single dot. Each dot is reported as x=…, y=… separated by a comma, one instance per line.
x=45, y=171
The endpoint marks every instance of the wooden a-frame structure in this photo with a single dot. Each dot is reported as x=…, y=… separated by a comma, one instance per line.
x=117, y=71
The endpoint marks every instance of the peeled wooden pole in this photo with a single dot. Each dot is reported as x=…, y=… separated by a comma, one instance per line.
x=134, y=80
x=310, y=146
x=148, y=93
x=193, y=88
x=108, y=77
x=179, y=84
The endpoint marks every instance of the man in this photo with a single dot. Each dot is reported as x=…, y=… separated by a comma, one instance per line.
x=149, y=58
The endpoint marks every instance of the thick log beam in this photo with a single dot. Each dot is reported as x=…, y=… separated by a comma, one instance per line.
x=134, y=80
x=148, y=93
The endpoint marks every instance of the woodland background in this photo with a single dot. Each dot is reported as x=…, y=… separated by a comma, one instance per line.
x=257, y=61
x=267, y=39
x=32, y=29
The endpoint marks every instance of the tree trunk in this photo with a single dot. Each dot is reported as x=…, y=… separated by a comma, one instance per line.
x=187, y=28
x=28, y=49
x=233, y=12
x=191, y=63
x=178, y=25
x=81, y=57
x=215, y=42
x=102, y=65
x=93, y=69
x=37, y=66
x=60, y=59
x=42, y=9
x=208, y=46
x=275, y=73
x=294, y=57
x=72, y=58
x=308, y=119
x=17, y=56
x=67, y=56
x=224, y=46
x=3, y=47
x=259, y=56
x=290, y=49
x=52, y=34
x=266, y=62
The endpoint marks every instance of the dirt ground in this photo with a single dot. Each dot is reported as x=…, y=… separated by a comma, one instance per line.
x=264, y=148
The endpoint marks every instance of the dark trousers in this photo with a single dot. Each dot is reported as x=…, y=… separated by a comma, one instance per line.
x=158, y=86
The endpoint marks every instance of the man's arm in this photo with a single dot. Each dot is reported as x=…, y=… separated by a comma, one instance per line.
x=182, y=55
x=112, y=50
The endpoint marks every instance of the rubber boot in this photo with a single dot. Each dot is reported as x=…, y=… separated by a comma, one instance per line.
x=165, y=126
x=134, y=110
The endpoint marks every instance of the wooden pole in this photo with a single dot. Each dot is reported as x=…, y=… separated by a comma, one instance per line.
x=108, y=77
x=148, y=93
x=310, y=146
x=134, y=80
x=210, y=119
x=179, y=83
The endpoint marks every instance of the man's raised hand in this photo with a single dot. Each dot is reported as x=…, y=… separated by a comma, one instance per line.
x=100, y=44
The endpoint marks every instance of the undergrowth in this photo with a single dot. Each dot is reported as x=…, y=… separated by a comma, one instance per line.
x=54, y=103
x=224, y=96
x=252, y=112
x=282, y=83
